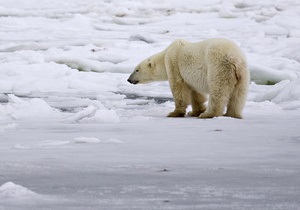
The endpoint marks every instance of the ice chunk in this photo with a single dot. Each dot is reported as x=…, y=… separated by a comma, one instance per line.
x=102, y=116
x=8, y=127
x=94, y=140
x=91, y=140
x=47, y=144
x=268, y=76
x=86, y=112
x=10, y=190
x=36, y=107
x=113, y=141
x=140, y=37
x=290, y=92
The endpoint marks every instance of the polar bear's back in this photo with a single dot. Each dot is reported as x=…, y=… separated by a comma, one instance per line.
x=197, y=61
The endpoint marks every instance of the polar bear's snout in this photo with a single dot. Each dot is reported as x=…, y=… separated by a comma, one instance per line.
x=132, y=81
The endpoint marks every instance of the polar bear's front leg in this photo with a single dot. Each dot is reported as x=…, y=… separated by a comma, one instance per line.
x=181, y=91
x=181, y=95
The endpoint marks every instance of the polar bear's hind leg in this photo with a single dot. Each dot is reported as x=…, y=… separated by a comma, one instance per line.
x=221, y=87
x=198, y=106
x=238, y=99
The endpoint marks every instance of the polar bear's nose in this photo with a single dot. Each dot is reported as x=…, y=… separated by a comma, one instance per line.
x=132, y=81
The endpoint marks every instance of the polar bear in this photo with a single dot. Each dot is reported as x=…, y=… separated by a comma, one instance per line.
x=215, y=67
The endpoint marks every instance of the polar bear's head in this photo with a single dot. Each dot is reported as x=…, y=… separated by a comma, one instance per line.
x=143, y=72
x=149, y=70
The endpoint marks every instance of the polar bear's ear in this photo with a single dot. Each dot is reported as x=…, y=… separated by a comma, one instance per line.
x=149, y=63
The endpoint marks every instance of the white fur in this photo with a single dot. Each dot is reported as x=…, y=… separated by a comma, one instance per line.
x=215, y=66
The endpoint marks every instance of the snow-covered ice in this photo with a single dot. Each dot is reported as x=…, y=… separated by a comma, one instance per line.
x=94, y=140
x=11, y=190
x=74, y=134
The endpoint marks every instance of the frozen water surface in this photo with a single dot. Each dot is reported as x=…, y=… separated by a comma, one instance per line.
x=75, y=135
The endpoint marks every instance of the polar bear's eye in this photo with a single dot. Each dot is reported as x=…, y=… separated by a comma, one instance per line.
x=137, y=70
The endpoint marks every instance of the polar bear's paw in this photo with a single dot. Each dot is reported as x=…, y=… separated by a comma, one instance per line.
x=196, y=113
x=234, y=115
x=193, y=114
x=176, y=114
x=207, y=115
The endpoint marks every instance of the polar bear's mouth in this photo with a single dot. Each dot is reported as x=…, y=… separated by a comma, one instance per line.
x=133, y=81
